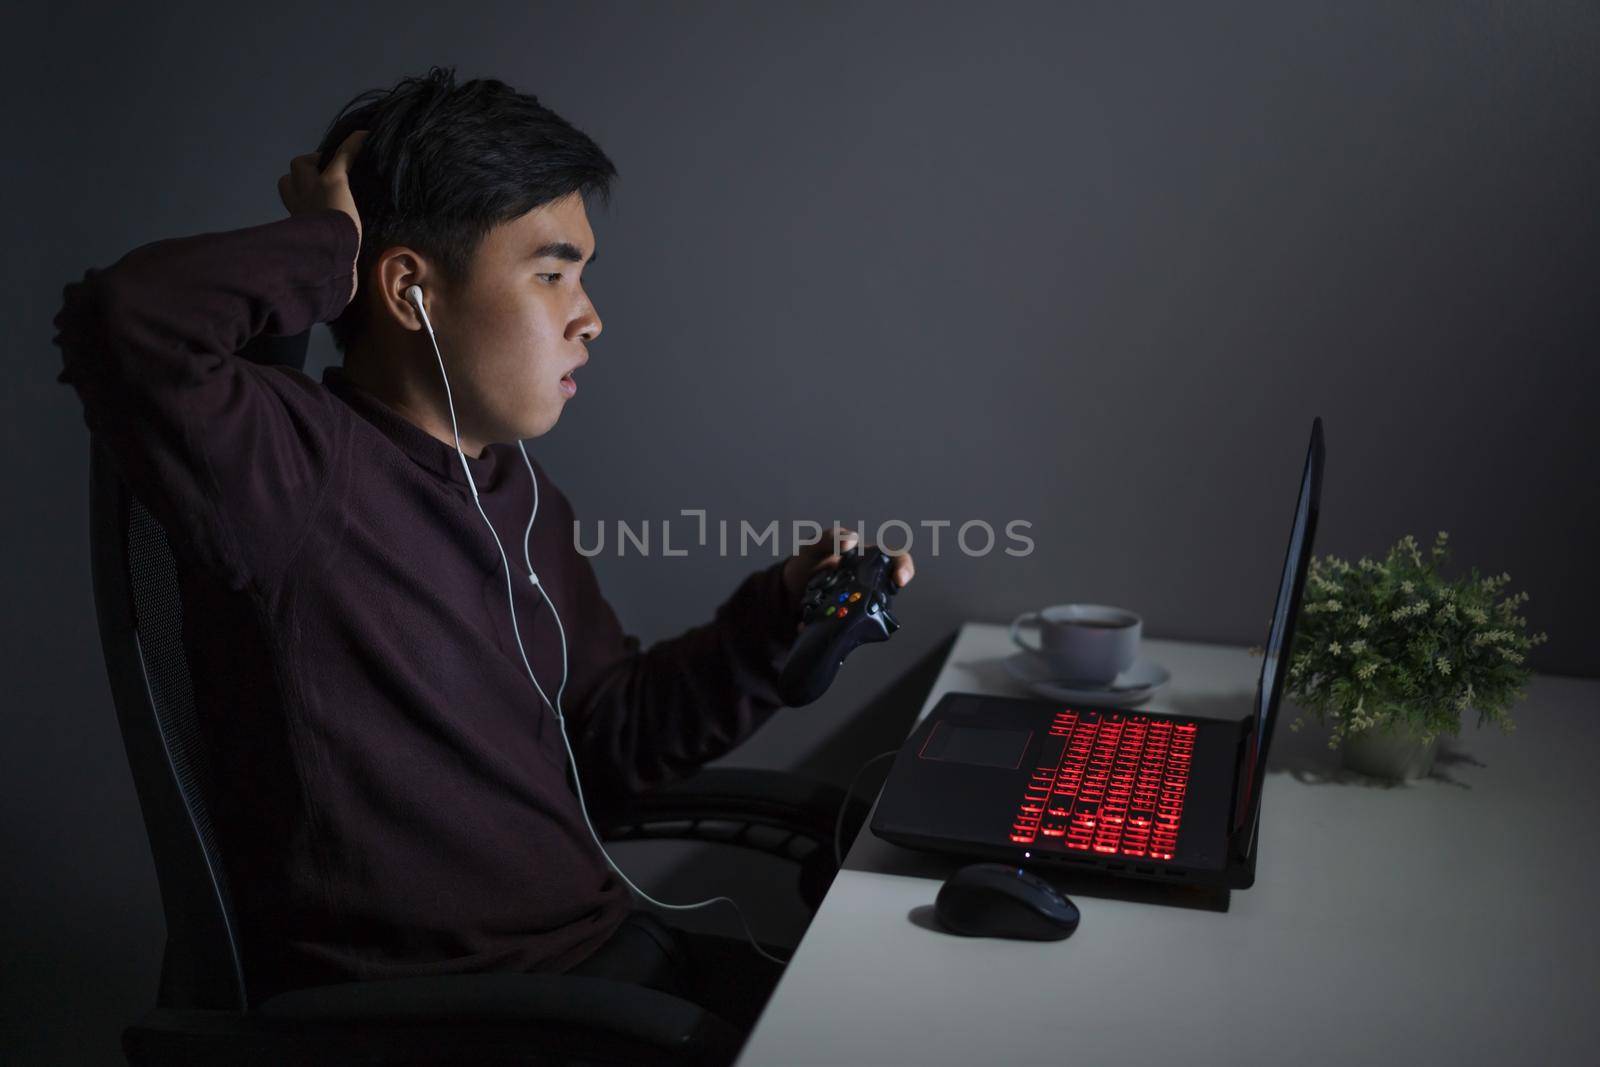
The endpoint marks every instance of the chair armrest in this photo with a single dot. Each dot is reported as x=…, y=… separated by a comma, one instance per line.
x=780, y=813
x=469, y=1017
x=740, y=799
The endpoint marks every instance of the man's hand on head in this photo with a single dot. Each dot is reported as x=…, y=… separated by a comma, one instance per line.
x=824, y=555
x=305, y=189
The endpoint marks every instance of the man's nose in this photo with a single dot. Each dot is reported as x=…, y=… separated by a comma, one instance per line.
x=589, y=325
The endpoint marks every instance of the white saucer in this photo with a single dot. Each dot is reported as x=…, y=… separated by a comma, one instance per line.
x=1133, y=686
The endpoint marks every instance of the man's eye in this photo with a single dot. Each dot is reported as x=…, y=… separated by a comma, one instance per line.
x=553, y=277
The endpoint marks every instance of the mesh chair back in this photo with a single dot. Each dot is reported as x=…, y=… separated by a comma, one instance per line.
x=141, y=635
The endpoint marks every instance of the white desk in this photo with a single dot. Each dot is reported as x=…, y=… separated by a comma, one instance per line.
x=1451, y=920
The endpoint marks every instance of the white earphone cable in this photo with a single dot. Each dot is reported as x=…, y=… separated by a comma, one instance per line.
x=414, y=293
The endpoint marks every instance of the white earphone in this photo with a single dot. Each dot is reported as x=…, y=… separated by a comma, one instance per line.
x=414, y=295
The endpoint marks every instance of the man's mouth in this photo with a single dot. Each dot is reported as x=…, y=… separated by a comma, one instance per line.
x=569, y=388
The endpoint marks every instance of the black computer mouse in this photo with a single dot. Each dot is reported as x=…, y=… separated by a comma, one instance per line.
x=1004, y=900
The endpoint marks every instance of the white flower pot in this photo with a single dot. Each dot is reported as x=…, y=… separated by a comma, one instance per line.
x=1389, y=752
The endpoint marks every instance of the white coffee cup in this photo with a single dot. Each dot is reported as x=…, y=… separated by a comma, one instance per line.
x=1091, y=643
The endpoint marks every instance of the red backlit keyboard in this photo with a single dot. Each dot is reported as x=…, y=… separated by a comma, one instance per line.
x=1113, y=783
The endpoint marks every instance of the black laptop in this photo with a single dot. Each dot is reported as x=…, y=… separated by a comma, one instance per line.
x=1130, y=793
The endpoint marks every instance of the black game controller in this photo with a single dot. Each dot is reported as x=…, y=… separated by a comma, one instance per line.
x=843, y=608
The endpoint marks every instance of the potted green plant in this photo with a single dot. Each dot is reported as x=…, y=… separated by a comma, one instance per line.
x=1391, y=654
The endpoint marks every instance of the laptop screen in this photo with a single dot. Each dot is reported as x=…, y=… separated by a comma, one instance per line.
x=1275, y=663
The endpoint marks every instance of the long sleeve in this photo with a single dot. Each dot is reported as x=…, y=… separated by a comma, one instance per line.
x=229, y=456
x=643, y=717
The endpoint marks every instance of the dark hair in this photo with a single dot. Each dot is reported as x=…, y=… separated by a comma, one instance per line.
x=443, y=164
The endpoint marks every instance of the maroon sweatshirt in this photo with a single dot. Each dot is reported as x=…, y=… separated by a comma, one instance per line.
x=391, y=795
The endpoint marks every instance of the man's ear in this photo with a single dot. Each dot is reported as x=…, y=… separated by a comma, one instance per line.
x=395, y=272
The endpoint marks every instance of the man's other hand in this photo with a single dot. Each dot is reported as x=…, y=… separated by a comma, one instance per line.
x=305, y=189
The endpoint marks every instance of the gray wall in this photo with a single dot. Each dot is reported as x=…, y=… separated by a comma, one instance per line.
x=1083, y=266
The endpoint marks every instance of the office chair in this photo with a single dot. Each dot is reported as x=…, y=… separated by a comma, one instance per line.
x=204, y=1010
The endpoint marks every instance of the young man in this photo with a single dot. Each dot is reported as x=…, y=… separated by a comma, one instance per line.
x=392, y=793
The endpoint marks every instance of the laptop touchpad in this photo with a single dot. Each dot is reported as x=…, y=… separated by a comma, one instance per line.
x=980, y=745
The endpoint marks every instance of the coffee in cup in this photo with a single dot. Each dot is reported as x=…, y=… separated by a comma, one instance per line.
x=1088, y=643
